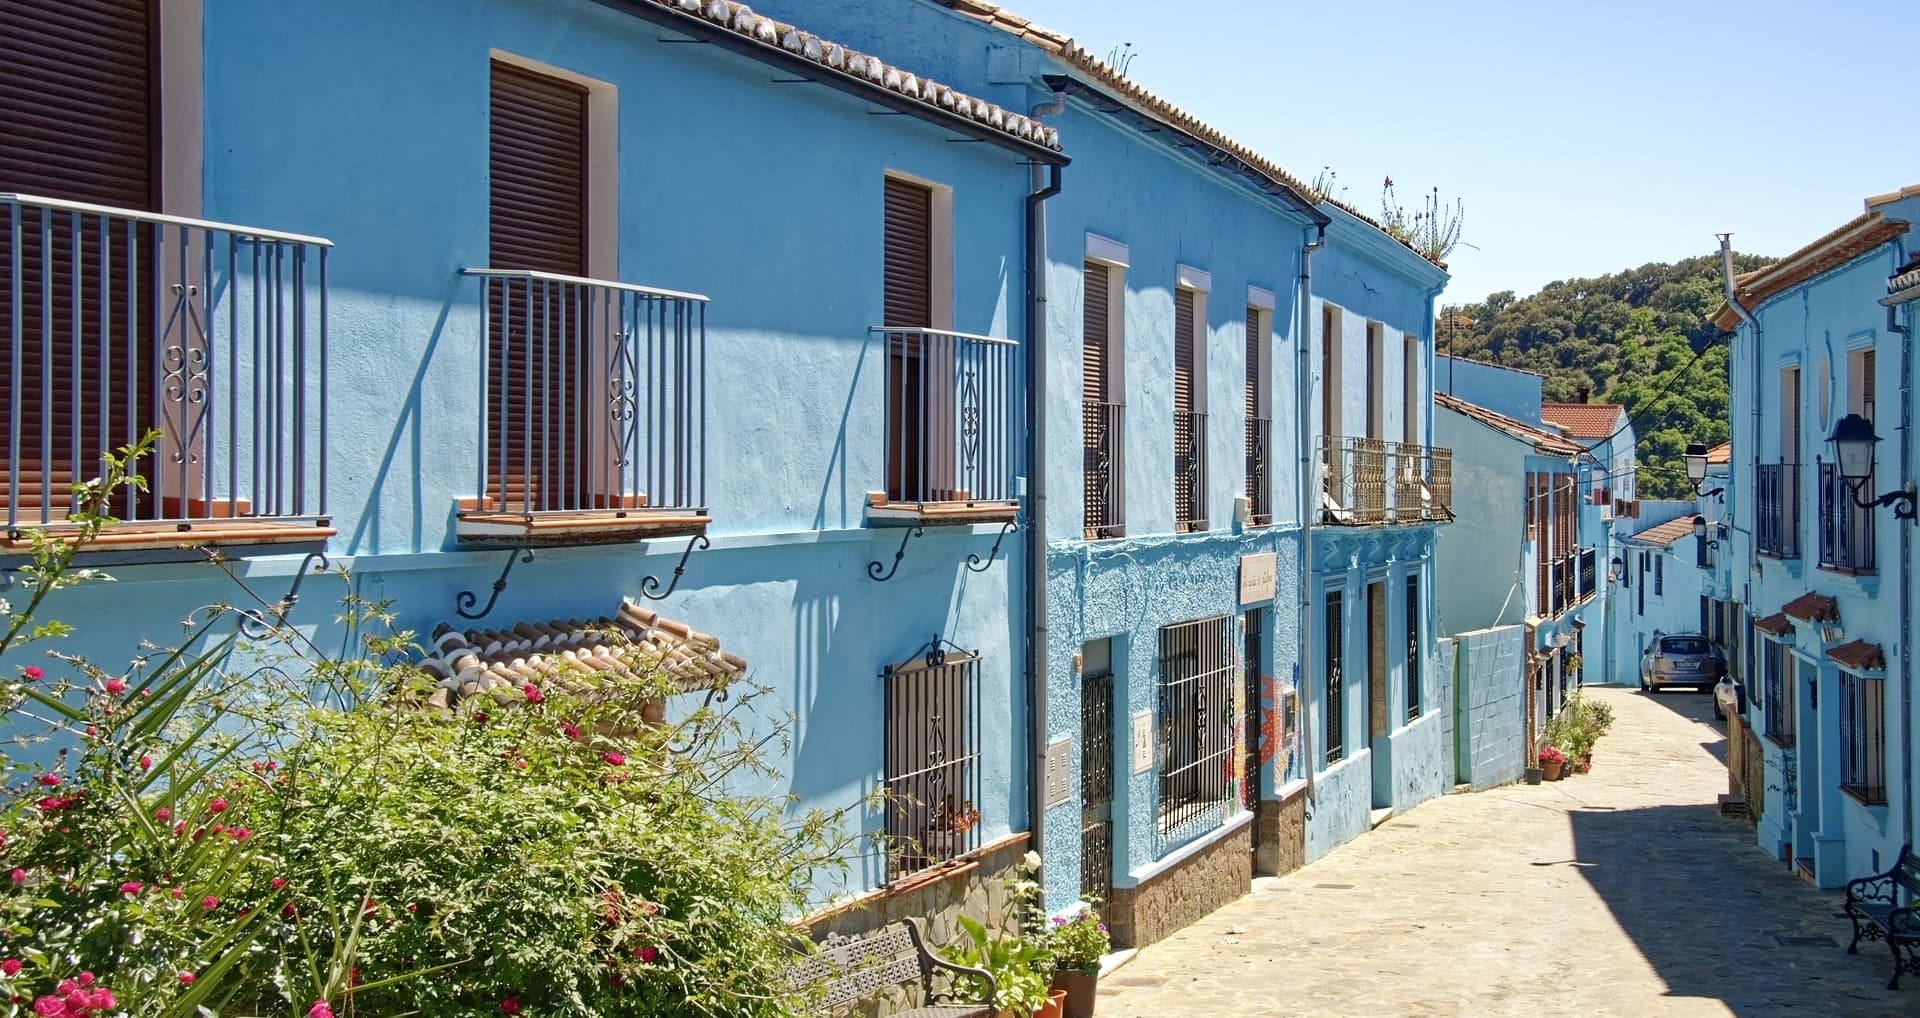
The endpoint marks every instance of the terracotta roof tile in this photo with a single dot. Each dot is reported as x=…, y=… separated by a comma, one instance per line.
x=1893, y=196
x=741, y=20
x=1860, y=656
x=1584, y=420
x=1543, y=440
x=1664, y=534
x=1062, y=46
x=1722, y=453
x=1858, y=236
x=576, y=654
x=1811, y=607
x=1776, y=624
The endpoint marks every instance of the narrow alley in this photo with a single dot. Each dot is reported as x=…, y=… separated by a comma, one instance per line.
x=1618, y=892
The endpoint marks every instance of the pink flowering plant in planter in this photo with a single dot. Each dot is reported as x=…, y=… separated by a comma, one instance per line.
x=252, y=826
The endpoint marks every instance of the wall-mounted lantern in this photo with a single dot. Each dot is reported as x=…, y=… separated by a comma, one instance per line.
x=1853, y=440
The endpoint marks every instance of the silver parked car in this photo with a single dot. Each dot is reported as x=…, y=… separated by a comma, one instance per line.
x=1681, y=659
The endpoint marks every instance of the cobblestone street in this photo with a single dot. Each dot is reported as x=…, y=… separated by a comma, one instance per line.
x=1618, y=892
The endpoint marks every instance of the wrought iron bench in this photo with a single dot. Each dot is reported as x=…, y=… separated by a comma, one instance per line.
x=848, y=971
x=1873, y=906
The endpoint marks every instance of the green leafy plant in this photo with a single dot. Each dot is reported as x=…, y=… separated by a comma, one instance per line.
x=1078, y=942
x=1018, y=965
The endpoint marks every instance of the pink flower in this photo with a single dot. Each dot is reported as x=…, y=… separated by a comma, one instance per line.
x=570, y=732
x=19, y=877
x=130, y=887
x=278, y=882
x=146, y=763
x=510, y=1005
x=115, y=687
x=10, y=967
x=239, y=833
x=86, y=979
x=51, y=1006
x=320, y=1010
x=162, y=814
x=614, y=759
x=177, y=894
x=209, y=902
x=103, y=999
x=533, y=696
x=186, y=979
x=179, y=828
x=217, y=806
x=646, y=955
x=32, y=673
x=49, y=780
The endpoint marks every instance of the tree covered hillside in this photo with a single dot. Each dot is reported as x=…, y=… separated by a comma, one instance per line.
x=1639, y=337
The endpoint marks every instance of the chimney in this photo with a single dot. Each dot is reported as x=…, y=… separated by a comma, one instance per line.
x=1581, y=394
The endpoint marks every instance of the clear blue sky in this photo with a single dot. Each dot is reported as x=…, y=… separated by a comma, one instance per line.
x=1584, y=137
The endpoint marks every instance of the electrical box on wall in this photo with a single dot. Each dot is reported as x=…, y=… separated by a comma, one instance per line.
x=1143, y=742
x=1059, y=771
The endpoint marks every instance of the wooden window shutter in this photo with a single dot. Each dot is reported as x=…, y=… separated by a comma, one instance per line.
x=78, y=121
x=908, y=305
x=537, y=204
x=909, y=255
x=1186, y=496
x=1254, y=367
x=1183, y=351
x=1866, y=384
x=1094, y=333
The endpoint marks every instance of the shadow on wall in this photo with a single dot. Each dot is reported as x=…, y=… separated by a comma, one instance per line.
x=837, y=456
x=1717, y=919
x=406, y=430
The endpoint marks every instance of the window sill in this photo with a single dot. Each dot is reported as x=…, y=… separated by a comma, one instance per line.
x=1780, y=741
x=884, y=513
x=1110, y=532
x=1828, y=567
x=146, y=537
x=477, y=524
x=1864, y=799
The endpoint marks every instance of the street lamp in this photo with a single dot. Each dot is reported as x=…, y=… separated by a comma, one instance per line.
x=1853, y=440
x=1614, y=569
x=1696, y=457
x=1700, y=530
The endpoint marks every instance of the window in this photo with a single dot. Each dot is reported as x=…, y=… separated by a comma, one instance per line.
x=1196, y=720
x=1330, y=344
x=908, y=305
x=932, y=760
x=1641, y=608
x=1863, y=738
x=1790, y=420
x=1376, y=383
x=1102, y=409
x=1189, y=411
x=1414, y=655
x=1259, y=423
x=1860, y=382
x=1253, y=642
x=1778, y=682
x=1410, y=390
x=1660, y=575
x=1335, y=691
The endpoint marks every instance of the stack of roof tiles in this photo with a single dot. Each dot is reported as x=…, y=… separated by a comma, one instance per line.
x=576, y=655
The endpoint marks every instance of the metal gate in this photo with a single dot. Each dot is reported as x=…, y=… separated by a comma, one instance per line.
x=1096, y=787
x=1253, y=638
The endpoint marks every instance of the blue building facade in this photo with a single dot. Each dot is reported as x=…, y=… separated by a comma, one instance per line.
x=1823, y=582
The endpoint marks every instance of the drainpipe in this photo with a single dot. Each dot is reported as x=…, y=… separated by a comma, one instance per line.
x=1036, y=406
x=1307, y=493
x=1906, y=554
x=1753, y=355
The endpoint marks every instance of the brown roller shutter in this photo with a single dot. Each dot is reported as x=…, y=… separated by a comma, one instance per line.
x=1094, y=332
x=1253, y=362
x=1183, y=351
x=77, y=122
x=908, y=298
x=538, y=208
x=1185, y=497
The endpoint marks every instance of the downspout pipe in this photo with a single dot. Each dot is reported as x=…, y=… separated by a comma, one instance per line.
x=1306, y=493
x=1905, y=636
x=1753, y=355
x=1036, y=406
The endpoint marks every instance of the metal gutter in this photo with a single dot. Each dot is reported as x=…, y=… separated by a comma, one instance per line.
x=1306, y=493
x=1733, y=302
x=1036, y=502
x=1893, y=302
x=702, y=30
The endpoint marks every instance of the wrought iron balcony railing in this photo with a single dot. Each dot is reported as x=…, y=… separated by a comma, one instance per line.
x=595, y=398
x=952, y=415
x=1371, y=482
x=1189, y=472
x=1846, y=528
x=1103, y=433
x=1777, y=510
x=115, y=321
x=1259, y=476
x=1589, y=573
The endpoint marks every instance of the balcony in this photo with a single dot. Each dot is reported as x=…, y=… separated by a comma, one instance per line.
x=1372, y=483
x=1259, y=476
x=593, y=424
x=1776, y=531
x=1102, y=434
x=1189, y=473
x=952, y=410
x=1846, y=529
x=1570, y=580
x=1588, y=574
x=115, y=322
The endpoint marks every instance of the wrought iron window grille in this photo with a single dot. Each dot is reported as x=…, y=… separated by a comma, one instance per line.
x=932, y=752
x=1196, y=722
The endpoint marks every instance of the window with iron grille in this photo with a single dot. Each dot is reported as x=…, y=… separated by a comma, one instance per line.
x=1778, y=664
x=932, y=760
x=1862, y=738
x=1196, y=720
x=1102, y=407
x=1660, y=575
x=1335, y=694
x=1413, y=647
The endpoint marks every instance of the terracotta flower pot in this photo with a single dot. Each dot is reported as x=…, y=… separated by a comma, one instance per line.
x=1080, y=988
x=1056, y=1003
x=1550, y=769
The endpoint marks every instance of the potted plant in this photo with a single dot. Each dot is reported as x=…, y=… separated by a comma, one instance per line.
x=1551, y=761
x=1078, y=944
x=1018, y=964
x=947, y=828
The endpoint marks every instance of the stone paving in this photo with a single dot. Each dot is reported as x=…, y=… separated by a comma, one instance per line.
x=1618, y=892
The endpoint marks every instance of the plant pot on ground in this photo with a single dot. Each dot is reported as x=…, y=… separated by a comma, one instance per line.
x=1081, y=988
x=1077, y=943
x=1054, y=1007
x=1551, y=763
x=1534, y=775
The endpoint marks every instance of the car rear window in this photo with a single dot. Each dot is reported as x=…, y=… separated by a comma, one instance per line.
x=1684, y=645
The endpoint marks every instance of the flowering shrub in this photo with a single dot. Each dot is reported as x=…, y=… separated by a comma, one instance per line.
x=255, y=828
x=1078, y=942
x=1549, y=754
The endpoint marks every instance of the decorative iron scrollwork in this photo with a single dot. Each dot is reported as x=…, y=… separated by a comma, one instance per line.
x=255, y=624
x=979, y=565
x=652, y=583
x=464, y=601
x=876, y=571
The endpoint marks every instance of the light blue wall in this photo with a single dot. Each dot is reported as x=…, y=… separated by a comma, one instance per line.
x=1482, y=555
x=1490, y=730
x=1510, y=391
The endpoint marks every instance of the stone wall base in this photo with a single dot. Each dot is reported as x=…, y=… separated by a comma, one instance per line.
x=1280, y=846
x=1181, y=895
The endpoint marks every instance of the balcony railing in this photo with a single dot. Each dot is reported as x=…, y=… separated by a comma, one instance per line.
x=1103, y=433
x=1846, y=529
x=1777, y=514
x=1371, y=482
x=595, y=399
x=1189, y=472
x=115, y=321
x=1570, y=580
x=1259, y=476
x=952, y=417
x=1589, y=573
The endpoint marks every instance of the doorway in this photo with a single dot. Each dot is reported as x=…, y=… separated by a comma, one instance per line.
x=1377, y=713
x=1096, y=772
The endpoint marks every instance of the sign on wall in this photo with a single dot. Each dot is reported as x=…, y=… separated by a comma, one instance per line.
x=1259, y=576
x=1143, y=742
